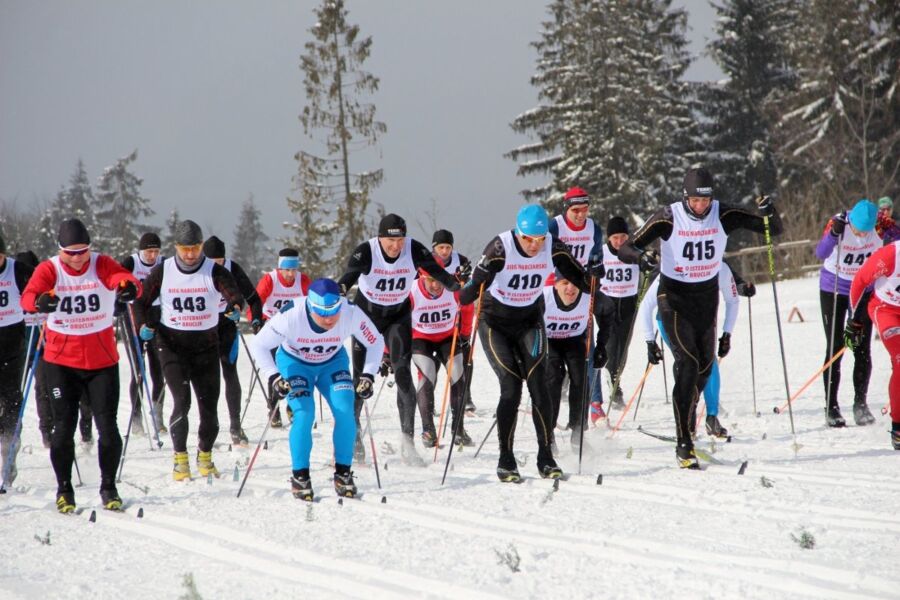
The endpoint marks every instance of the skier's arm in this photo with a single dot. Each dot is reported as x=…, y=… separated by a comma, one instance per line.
x=569, y=267
x=491, y=263
x=226, y=285
x=728, y=287
x=880, y=264
x=127, y=263
x=368, y=335
x=112, y=274
x=646, y=309
x=270, y=337
x=247, y=291
x=424, y=259
x=736, y=217
x=360, y=263
x=658, y=226
x=22, y=274
x=143, y=311
x=826, y=245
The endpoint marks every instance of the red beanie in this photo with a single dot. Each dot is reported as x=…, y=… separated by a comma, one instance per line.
x=574, y=196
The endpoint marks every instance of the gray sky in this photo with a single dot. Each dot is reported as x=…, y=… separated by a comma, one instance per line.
x=209, y=93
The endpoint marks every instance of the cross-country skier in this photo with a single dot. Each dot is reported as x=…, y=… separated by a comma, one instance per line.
x=78, y=289
x=881, y=271
x=140, y=263
x=512, y=272
x=310, y=340
x=566, y=317
x=584, y=239
x=434, y=317
x=189, y=287
x=849, y=238
x=14, y=277
x=885, y=225
x=385, y=267
x=693, y=233
x=229, y=345
x=732, y=286
x=285, y=283
x=617, y=303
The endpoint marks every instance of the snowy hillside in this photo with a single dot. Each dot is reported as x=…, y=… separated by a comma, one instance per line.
x=649, y=530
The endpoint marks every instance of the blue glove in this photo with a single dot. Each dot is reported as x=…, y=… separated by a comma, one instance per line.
x=147, y=333
x=234, y=315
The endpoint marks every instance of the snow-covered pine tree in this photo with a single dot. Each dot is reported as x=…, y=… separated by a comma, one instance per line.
x=249, y=248
x=749, y=48
x=168, y=234
x=314, y=228
x=336, y=85
x=615, y=114
x=119, y=209
x=840, y=125
x=73, y=202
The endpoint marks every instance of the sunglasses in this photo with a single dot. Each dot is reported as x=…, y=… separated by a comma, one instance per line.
x=75, y=252
x=533, y=239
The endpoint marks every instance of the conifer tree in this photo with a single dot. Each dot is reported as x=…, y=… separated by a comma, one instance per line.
x=249, y=241
x=313, y=229
x=339, y=120
x=168, y=235
x=119, y=208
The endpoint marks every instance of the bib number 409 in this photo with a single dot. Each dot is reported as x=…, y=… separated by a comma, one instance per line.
x=704, y=250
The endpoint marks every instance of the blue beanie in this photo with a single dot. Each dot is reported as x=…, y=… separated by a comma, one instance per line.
x=863, y=215
x=532, y=220
x=324, y=297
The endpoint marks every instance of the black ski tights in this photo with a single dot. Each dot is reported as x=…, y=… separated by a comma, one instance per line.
x=862, y=356
x=228, y=337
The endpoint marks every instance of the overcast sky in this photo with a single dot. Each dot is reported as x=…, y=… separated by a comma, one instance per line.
x=209, y=93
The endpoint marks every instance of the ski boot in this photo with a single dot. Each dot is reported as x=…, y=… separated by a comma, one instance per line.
x=684, y=455
x=276, y=419
x=160, y=424
x=137, y=428
x=470, y=407
x=182, y=468
x=429, y=439
x=833, y=417
x=714, y=427
x=507, y=469
x=861, y=413
x=290, y=414
x=239, y=438
x=205, y=464
x=301, y=486
x=109, y=497
x=618, y=400
x=408, y=453
x=597, y=413
x=895, y=438
x=546, y=465
x=359, y=451
x=343, y=481
x=463, y=438
x=65, y=499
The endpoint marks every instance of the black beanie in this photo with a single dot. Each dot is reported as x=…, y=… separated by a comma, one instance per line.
x=214, y=248
x=392, y=226
x=441, y=236
x=72, y=232
x=149, y=241
x=616, y=225
x=288, y=252
x=2, y=245
x=188, y=233
x=28, y=258
x=698, y=183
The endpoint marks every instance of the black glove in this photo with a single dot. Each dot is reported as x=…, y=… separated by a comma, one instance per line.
x=654, y=354
x=385, y=368
x=724, y=344
x=464, y=272
x=47, y=302
x=462, y=346
x=599, y=356
x=746, y=289
x=853, y=334
x=365, y=386
x=595, y=267
x=766, y=205
x=343, y=290
x=280, y=388
x=126, y=292
x=256, y=325
x=649, y=261
x=838, y=223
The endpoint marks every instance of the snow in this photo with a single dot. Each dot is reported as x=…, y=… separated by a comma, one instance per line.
x=650, y=529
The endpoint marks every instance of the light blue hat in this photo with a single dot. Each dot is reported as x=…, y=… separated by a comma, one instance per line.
x=863, y=215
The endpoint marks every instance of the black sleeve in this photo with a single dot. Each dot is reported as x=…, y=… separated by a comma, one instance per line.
x=143, y=312
x=736, y=217
x=128, y=263
x=248, y=290
x=492, y=261
x=463, y=259
x=568, y=266
x=360, y=263
x=227, y=286
x=424, y=259
x=659, y=226
x=22, y=274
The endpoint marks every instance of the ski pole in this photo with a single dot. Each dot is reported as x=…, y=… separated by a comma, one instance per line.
x=778, y=410
x=834, y=295
x=258, y=446
x=662, y=350
x=25, y=371
x=467, y=383
x=582, y=417
x=787, y=389
x=140, y=361
x=257, y=379
x=17, y=432
x=630, y=401
x=128, y=353
x=372, y=439
x=617, y=381
x=638, y=403
x=77, y=471
x=365, y=430
x=486, y=436
x=449, y=367
x=752, y=359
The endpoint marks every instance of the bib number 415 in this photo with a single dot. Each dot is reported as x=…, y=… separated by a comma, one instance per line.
x=703, y=250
